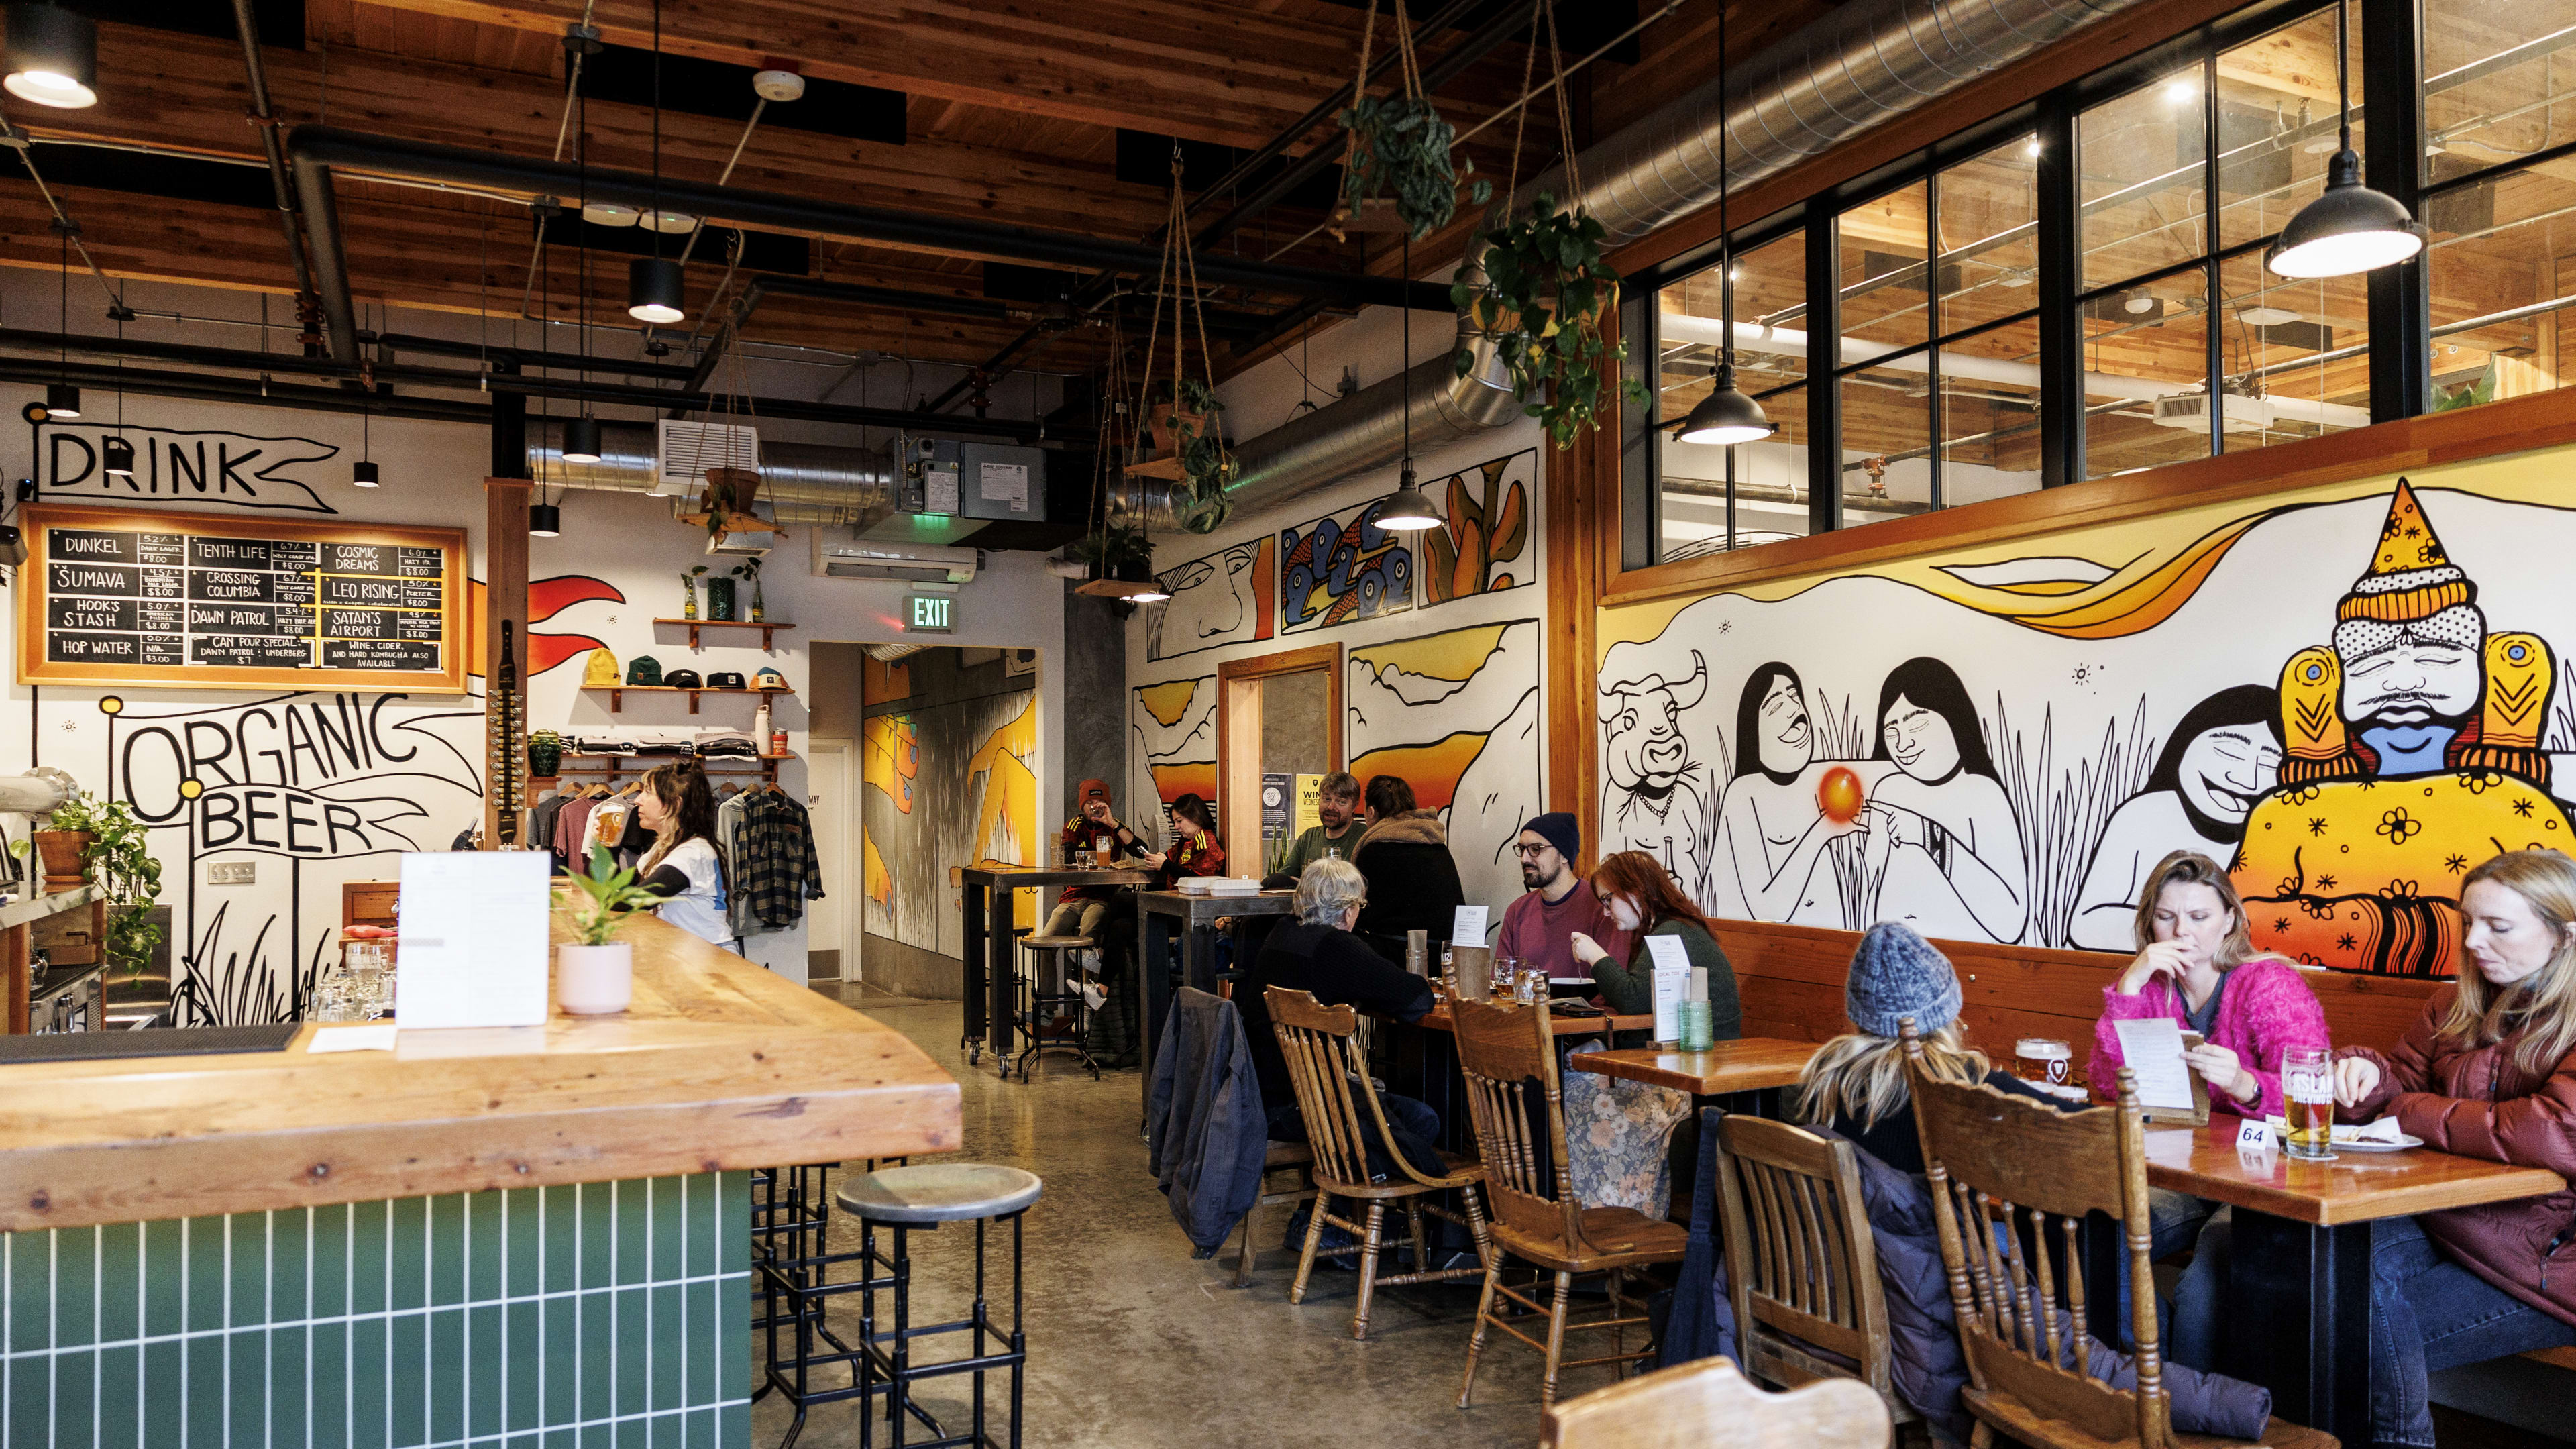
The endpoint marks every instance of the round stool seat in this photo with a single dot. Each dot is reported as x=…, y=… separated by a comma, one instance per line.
x=938, y=1192
x=1056, y=943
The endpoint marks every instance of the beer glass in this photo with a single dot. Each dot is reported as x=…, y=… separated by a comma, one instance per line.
x=2039, y=1059
x=2307, y=1097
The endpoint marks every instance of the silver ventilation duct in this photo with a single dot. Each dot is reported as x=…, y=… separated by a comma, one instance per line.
x=889, y=653
x=808, y=482
x=1363, y=431
x=1857, y=67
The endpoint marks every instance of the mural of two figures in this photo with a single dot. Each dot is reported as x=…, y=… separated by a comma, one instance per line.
x=2031, y=735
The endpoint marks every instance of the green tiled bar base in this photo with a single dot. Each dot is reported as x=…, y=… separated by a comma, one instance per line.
x=596, y=1316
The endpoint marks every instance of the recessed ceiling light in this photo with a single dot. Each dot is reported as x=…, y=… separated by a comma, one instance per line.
x=2138, y=304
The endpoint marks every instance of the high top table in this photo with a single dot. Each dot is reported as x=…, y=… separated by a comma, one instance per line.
x=1194, y=915
x=988, y=901
x=523, y=1232
x=2299, y=1275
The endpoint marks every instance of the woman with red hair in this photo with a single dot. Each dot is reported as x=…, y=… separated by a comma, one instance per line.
x=1642, y=900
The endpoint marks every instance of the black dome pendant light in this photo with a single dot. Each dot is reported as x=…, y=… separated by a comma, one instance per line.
x=115, y=454
x=53, y=56
x=654, y=291
x=1406, y=510
x=1726, y=416
x=62, y=400
x=2349, y=228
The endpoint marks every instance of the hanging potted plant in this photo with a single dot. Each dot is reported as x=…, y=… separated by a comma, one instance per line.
x=595, y=972
x=1207, y=470
x=1121, y=560
x=1542, y=295
x=1399, y=146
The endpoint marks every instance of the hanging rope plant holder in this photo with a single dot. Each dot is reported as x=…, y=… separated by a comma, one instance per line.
x=1182, y=411
x=1537, y=285
x=1120, y=557
x=1400, y=154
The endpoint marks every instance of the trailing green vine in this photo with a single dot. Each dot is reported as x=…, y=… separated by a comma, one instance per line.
x=1400, y=147
x=120, y=863
x=1543, y=296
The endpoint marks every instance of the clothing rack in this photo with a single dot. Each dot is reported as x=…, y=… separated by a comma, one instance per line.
x=612, y=767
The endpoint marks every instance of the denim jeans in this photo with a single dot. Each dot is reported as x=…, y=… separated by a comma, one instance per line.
x=2194, y=1322
x=2427, y=1312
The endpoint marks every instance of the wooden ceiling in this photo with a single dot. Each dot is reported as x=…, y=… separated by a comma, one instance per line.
x=1011, y=115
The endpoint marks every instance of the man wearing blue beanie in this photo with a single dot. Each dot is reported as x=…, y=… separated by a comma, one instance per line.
x=1539, y=928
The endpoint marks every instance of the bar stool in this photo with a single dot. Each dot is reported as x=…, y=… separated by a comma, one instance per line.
x=910, y=1199
x=1050, y=957
x=793, y=1273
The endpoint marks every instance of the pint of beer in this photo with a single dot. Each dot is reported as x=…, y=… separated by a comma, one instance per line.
x=2038, y=1059
x=2307, y=1098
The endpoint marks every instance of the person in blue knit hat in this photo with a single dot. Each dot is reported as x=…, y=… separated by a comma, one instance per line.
x=1855, y=1084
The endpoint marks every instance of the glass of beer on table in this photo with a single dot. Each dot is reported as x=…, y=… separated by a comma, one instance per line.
x=2040, y=1059
x=2307, y=1098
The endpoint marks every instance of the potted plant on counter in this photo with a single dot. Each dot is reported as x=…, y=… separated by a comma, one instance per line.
x=104, y=842
x=597, y=976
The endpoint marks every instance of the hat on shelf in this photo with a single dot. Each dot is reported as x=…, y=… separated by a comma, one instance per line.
x=684, y=679
x=725, y=679
x=644, y=670
x=601, y=670
x=769, y=679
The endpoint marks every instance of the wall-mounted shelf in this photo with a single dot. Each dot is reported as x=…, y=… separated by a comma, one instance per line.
x=617, y=692
x=614, y=767
x=768, y=635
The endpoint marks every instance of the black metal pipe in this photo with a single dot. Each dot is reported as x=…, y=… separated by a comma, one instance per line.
x=509, y=426
x=330, y=259
x=316, y=150
x=242, y=390
x=524, y=356
x=264, y=117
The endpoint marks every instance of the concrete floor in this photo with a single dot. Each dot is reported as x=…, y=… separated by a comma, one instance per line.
x=1135, y=1345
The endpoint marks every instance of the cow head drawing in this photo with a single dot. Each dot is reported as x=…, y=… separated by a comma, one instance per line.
x=1645, y=749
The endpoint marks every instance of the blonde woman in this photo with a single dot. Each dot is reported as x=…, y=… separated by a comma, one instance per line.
x=1855, y=1084
x=680, y=811
x=2489, y=1070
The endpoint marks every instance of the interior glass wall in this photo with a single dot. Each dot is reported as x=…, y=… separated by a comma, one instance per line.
x=1711, y=499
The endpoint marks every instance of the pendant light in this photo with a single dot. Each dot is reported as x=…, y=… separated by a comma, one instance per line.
x=2349, y=228
x=581, y=439
x=62, y=401
x=53, y=56
x=117, y=457
x=362, y=474
x=545, y=520
x=1406, y=510
x=654, y=294
x=1726, y=416
x=581, y=435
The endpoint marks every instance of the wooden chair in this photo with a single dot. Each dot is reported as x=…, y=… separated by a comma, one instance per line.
x=1528, y=1184
x=1801, y=1264
x=2012, y=1180
x=1710, y=1405
x=1332, y=1083
x=1295, y=1158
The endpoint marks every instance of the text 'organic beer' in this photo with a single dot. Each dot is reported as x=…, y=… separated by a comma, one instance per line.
x=2307, y=1091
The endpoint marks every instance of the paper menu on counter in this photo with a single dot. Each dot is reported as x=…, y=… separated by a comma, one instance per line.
x=474, y=940
x=1672, y=975
x=2151, y=1048
x=1468, y=926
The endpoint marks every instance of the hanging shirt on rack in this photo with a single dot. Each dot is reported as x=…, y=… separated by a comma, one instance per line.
x=779, y=871
x=729, y=841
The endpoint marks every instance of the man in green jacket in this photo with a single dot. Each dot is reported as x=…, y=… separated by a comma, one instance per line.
x=1337, y=805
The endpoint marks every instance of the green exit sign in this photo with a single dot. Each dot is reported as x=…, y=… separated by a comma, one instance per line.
x=929, y=613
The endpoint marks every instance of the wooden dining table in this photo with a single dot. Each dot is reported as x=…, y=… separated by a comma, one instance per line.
x=2299, y=1269
x=1421, y=1061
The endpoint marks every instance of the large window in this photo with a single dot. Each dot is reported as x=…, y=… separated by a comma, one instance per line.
x=2003, y=318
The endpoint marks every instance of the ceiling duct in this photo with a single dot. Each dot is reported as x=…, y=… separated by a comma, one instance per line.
x=808, y=483
x=1859, y=66
x=889, y=653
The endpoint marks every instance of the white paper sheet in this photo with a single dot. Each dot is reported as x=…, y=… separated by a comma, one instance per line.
x=1672, y=970
x=474, y=939
x=1467, y=928
x=373, y=1037
x=2151, y=1047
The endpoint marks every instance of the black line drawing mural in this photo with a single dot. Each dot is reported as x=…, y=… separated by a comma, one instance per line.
x=1229, y=597
x=1941, y=837
x=1654, y=793
x=240, y=470
x=2222, y=757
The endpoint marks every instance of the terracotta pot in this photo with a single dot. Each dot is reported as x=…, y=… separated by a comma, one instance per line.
x=743, y=484
x=594, y=980
x=62, y=852
x=1164, y=424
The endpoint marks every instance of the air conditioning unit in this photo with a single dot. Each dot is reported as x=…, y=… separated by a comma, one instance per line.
x=865, y=558
x=2190, y=411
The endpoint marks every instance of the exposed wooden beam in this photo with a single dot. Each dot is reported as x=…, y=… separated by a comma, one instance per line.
x=1217, y=72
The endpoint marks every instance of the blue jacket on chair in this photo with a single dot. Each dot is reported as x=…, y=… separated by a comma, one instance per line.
x=1205, y=1120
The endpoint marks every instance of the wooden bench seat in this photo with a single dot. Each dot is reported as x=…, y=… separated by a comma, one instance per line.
x=1790, y=982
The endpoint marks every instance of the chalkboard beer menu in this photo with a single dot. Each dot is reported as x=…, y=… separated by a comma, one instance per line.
x=191, y=600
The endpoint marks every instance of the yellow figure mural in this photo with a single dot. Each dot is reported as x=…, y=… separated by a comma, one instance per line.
x=2412, y=752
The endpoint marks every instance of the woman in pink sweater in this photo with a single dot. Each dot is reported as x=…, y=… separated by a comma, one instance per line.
x=2195, y=965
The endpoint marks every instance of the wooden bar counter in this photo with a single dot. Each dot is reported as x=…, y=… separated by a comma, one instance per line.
x=479, y=1233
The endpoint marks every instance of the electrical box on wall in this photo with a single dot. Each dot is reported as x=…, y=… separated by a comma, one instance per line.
x=945, y=489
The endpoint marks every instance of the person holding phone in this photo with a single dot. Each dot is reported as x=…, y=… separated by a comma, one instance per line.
x=2489, y=1070
x=2196, y=966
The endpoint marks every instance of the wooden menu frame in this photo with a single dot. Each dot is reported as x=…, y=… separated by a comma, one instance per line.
x=39, y=519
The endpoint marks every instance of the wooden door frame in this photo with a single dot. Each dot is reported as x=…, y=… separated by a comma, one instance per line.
x=1240, y=829
x=852, y=849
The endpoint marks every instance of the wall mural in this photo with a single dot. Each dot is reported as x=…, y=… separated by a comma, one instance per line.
x=1457, y=715
x=1340, y=570
x=1225, y=598
x=941, y=786
x=1486, y=531
x=1343, y=568
x=1172, y=734
x=239, y=470
x=2349, y=698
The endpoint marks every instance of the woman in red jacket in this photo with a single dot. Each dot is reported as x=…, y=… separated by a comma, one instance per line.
x=2488, y=1071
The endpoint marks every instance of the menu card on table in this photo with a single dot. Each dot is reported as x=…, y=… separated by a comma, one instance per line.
x=474, y=940
x=1672, y=975
x=1467, y=928
x=2151, y=1048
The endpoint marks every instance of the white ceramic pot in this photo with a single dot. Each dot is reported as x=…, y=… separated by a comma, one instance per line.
x=594, y=980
